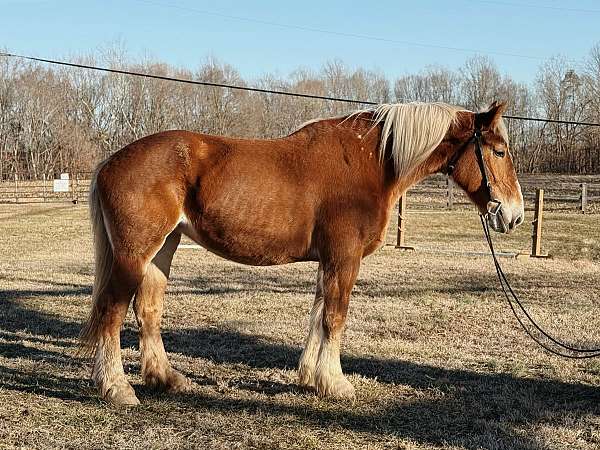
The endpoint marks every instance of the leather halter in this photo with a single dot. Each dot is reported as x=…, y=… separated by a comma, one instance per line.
x=494, y=206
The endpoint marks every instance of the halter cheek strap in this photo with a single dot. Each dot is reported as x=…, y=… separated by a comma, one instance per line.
x=494, y=207
x=482, y=167
x=455, y=157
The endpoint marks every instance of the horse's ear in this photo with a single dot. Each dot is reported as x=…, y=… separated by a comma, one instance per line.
x=489, y=118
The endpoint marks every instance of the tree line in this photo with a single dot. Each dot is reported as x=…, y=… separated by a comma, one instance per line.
x=56, y=119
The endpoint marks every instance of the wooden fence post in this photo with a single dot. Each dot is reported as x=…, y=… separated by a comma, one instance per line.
x=401, y=224
x=536, y=241
x=536, y=237
x=450, y=187
x=536, y=234
x=74, y=183
x=584, y=197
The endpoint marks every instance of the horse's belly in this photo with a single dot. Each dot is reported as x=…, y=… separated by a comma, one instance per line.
x=250, y=237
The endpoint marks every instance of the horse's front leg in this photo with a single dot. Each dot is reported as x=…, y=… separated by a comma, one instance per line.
x=338, y=279
x=308, y=360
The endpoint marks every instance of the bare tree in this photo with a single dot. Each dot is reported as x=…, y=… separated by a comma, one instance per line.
x=434, y=84
x=65, y=119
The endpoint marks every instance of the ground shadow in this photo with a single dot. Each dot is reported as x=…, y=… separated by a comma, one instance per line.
x=228, y=281
x=470, y=419
x=473, y=409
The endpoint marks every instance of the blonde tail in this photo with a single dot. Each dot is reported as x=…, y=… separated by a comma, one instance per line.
x=90, y=333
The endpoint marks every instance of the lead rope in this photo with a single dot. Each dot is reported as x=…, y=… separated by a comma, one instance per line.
x=566, y=350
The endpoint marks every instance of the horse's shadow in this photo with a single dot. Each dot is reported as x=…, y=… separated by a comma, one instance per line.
x=235, y=280
x=473, y=409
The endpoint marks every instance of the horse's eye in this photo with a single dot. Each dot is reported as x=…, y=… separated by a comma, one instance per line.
x=499, y=153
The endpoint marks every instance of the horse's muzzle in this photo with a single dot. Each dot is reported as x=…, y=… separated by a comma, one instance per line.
x=502, y=219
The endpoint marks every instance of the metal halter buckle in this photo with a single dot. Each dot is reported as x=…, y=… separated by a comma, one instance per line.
x=494, y=207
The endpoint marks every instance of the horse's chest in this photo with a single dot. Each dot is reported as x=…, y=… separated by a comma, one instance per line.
x=379, y=228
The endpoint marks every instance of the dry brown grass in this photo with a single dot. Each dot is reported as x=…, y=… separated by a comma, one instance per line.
x=436, y=357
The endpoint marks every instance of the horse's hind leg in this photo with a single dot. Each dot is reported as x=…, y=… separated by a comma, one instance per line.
x=108, y=372
x=148, y=306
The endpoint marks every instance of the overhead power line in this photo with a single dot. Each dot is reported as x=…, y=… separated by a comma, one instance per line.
x=339, y=33
x=184, y=80
x=253, y=89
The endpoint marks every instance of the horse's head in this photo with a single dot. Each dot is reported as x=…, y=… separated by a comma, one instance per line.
x=482, y=166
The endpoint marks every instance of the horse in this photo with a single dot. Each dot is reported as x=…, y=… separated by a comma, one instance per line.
x=324, y=193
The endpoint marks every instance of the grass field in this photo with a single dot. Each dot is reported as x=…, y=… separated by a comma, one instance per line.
x=432, y=349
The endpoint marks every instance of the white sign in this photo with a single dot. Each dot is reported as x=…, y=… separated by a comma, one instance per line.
x=64, y=176
x=61, y=185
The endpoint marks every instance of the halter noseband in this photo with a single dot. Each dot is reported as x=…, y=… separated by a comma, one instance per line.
x=494, y=205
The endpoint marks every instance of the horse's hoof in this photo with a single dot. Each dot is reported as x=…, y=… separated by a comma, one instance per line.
x=178, y=383
x=306, y=378
x=172, y=382
x=121, y=394
x=339, y=388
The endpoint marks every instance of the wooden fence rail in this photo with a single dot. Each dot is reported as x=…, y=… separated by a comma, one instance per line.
x=536, y=232
x=581, y=193
x=41, y=191
x=574, y=194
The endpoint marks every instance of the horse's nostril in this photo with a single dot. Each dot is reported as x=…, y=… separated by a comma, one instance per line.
x=519, y=220
x=515, y=222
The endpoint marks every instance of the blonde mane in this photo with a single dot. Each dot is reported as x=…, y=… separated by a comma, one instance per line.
x=416, y=130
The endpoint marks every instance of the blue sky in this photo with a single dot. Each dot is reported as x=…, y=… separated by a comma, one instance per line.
x=184, y=32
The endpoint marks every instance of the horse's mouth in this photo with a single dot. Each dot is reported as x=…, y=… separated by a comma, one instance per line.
x=497, y=223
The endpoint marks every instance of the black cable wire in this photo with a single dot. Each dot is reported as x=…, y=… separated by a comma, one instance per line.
x=567, y=122
x=576, y=353
x=255, y=89
x=183, y=80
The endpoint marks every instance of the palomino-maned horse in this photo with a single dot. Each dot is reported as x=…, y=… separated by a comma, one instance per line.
x=324, y=193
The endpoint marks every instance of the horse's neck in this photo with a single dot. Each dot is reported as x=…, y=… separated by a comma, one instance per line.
x=366, y=141
x=430, y=166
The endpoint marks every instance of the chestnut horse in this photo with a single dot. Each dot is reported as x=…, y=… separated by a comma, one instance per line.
x=324, y=193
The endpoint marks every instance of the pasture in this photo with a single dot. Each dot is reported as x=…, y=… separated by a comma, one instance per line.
x=436, y=357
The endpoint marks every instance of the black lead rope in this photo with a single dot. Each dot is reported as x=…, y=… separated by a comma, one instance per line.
x=565, y=350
